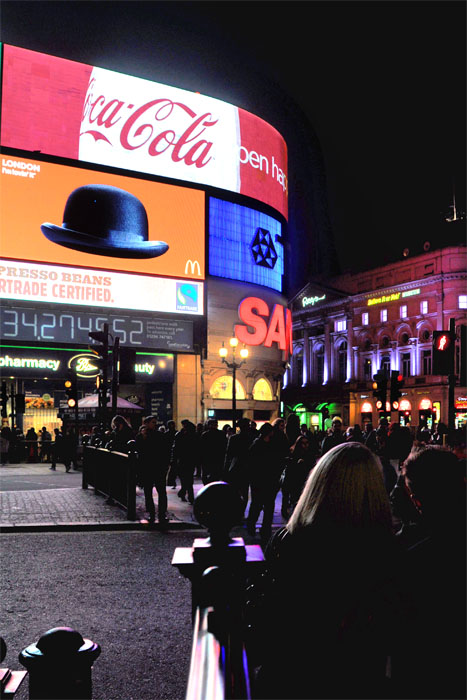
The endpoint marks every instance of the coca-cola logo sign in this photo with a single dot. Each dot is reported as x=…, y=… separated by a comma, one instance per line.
x=82, y=112
x=149, y=126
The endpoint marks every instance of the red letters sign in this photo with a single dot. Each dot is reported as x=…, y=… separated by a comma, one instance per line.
x=267, y=328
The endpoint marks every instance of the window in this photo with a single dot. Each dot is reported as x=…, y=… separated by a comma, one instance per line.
x=298, y=367
x=384, y=315
x=423, y=307
x=462, y=301
x=320, y=365
x=405, y=364
x=342, y=362
x=367, y=373
x=404, y=311
x=221, y=388
x=365, y=318
x=341, y=326
x=262, y=391
x=386, y=364
x=426, y=362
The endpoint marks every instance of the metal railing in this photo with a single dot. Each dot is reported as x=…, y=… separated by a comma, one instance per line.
x=218, y=567
x=112, y=474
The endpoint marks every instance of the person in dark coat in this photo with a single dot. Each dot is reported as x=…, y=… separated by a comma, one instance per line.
x=335, y=437
x=281, y=447
x=292, y=428
x=31, y=442
x=171, y=432
x=433, y=663
x=153, y=464
x=236, y=459
x=122, y=433
x=264, y=476
x=213, y=443
x=298, y=466
x=185, y=457
x=329, y=616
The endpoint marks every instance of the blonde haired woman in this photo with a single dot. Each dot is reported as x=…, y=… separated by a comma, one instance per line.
x=334, y=598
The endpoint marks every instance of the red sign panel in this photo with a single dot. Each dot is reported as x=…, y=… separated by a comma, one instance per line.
x=68, y=109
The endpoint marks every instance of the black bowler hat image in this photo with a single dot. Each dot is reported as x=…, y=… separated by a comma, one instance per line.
x=105, y=220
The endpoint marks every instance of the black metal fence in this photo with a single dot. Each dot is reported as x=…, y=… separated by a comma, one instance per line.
x=112, y=474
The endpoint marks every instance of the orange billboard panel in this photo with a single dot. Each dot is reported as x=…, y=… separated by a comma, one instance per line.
x=72, y=216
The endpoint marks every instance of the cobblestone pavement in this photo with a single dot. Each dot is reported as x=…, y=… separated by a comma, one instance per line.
x=77, y=507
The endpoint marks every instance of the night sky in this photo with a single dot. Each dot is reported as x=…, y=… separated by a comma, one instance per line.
x=370, y=97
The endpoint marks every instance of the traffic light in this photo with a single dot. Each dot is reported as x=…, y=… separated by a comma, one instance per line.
x=20, y=403
x=71, y=390
x=397, y=382
x=103, y=338
x=443, y=352
x=4, y=400
x=380, y=386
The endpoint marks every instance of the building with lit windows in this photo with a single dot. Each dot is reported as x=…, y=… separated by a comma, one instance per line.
x=383, y=318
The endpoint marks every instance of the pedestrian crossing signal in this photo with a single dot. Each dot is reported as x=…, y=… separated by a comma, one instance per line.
x=71, y=391
x=443, y=352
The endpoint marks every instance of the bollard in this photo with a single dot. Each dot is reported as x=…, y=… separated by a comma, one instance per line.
x=10, y=680
x=60, y=665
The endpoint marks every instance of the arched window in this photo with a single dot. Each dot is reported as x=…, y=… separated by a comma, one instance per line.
x=342, y=362
x=297, y=367
x=221, y=388
x=262, y=391
x=319, y=364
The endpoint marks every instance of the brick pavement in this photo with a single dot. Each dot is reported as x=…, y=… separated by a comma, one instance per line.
x=78, y=508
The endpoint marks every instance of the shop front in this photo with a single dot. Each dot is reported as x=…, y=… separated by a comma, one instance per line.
x=260, y=322
x=460, y=411
x=38, y=374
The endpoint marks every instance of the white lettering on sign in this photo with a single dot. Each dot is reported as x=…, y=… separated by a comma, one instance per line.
x=21, y=362
x=307, y=301
x=145, y=368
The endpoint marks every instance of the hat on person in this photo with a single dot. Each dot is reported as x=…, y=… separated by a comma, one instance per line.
x=105, y=220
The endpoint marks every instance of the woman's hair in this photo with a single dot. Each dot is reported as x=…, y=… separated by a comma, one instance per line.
x=345, y=488
x=298, y=444
x=117, y=421
x=266, y=429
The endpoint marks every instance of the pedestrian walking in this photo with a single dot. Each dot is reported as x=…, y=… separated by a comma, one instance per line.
x=31, y=442
x=185, y=455
x=45, y=444
x=153, y=464
x=236, y=459
x=335, y=437
x=122, y=433
x=264, y=481
x=213, y=444
x=57, y=449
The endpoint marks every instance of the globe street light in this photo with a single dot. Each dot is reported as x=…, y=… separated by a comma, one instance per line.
x=234, y=365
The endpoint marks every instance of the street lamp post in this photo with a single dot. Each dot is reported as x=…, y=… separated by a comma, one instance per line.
x=234, y=365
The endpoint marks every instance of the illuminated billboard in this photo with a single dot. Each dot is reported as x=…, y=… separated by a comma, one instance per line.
x=73, y=110
x=245, y=244
x=71, y=216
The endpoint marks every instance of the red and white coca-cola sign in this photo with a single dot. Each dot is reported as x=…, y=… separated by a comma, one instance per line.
x=72, y=110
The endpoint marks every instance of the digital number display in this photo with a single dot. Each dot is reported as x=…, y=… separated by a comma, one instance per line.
x=27, y=324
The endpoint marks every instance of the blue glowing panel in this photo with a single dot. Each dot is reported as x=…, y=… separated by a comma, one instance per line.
x=245, y=244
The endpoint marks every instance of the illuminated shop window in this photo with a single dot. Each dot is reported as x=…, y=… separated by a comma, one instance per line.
x=404, y=311
x=222, y=388
x=384, y=315
x=462, y=301
x=262, y=391
x=423, y=307
x=365, y=318
x=341, y=326
x=245, y=244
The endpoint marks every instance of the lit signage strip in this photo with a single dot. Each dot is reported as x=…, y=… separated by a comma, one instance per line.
x=392, y=297
x=72, y=110
x=67, y=285
x=311, y=301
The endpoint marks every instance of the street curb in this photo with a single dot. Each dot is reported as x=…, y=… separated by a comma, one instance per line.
x=98, y=526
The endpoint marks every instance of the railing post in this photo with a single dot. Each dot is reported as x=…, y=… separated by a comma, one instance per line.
x=60, y=665
x=217, y=567
x=131, y=479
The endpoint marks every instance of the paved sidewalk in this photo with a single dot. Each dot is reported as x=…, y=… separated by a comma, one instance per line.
x=82, y=509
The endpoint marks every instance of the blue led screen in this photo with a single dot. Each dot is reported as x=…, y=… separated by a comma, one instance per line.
x=244, y=244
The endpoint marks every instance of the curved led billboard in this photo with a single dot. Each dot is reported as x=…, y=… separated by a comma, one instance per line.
x=72, y=110
x=245, y=244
